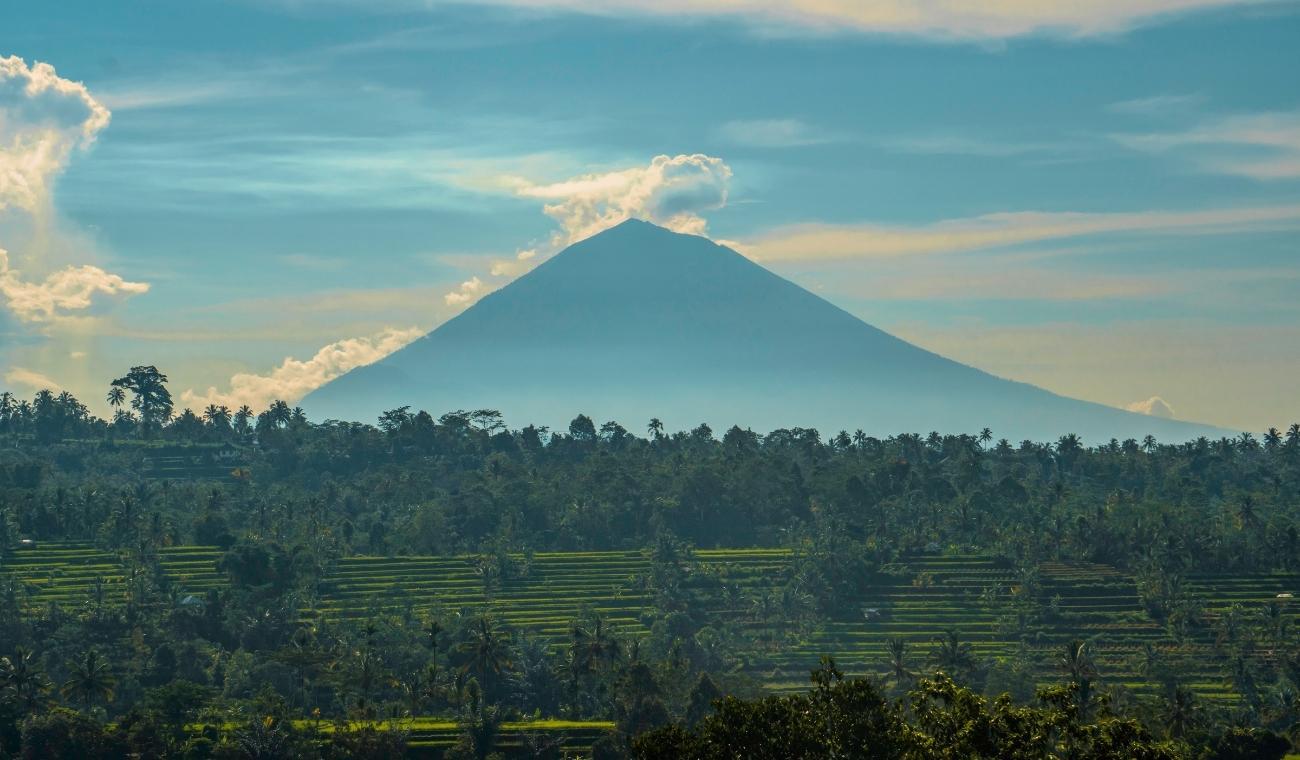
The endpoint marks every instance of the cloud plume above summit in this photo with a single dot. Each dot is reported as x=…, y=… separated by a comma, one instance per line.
x=672, y=191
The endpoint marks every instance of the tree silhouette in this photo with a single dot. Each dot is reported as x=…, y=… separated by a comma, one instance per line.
x=150, y=395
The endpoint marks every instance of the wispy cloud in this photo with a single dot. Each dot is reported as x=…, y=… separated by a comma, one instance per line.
x=962, y=145
x=941, y=19
x=1158, y=105
x=813, y=242
x=31, y=379
x=314, y=263
x=295, y=378
x=1262, y=146
x=772, y=133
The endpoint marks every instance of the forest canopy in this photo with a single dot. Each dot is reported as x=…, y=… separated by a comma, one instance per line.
x=233, y=582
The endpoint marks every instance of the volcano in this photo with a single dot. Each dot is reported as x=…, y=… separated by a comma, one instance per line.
x=639, y=322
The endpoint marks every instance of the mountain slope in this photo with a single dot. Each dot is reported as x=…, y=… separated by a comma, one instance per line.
x=639, y=322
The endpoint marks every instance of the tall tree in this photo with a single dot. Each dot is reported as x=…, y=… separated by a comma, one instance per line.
x=150, y=395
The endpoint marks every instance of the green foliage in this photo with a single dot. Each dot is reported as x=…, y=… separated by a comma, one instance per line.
x=225, y=583
x=938, y=719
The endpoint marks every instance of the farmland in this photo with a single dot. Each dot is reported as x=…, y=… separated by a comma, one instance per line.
x=919, y=600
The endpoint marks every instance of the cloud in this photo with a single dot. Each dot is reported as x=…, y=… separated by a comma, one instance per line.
x=43, y=118
x=523, y=261
x=294, y=378
x=959, y=145
x=771, y=133
x=825, y=242
x=671, y=192
x=468, y=292
x=72, y=289
x=31, y=379
x=1261, y=146
x=1157, y=105
x=941, y=19
x=1152, y=407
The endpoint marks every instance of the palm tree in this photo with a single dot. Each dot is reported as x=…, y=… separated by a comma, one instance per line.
x=279, y=413
x=116, y=397
x=1077, y=663
x=1180, y=711
x=90, y=678
x=655, y=428
x=242, y=417
x=1068, y=449
x=217, y=416
x=1247, y=516
x=21, y=679
x=898, y=672
x=1272, y=439
x=594, y=645
x=952, y=655
x=986, y=436
x=486, y=651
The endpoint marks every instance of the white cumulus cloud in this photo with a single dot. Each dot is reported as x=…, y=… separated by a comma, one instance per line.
x=295, y=378
x=672, y=191
x=1153, y=407
x=72, y=289
x=43, y=119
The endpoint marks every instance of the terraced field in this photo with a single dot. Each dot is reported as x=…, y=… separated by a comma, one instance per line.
x=430, y=737
x=556, y=588
x=925, y=598
x=70, y=575
x=192, y=569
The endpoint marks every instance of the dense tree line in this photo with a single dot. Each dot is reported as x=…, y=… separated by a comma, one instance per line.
x=295, y=496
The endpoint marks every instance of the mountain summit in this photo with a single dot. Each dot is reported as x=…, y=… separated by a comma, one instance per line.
x=639, y=322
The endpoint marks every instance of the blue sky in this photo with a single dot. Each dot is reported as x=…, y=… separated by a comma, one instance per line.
x=1103, y=200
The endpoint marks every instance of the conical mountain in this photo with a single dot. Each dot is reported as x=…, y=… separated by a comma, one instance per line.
x=639, y=322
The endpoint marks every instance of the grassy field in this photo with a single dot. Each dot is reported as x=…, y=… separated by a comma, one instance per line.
x=919, y=600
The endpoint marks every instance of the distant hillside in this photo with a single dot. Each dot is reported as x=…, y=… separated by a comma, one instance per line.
x=639, y=322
